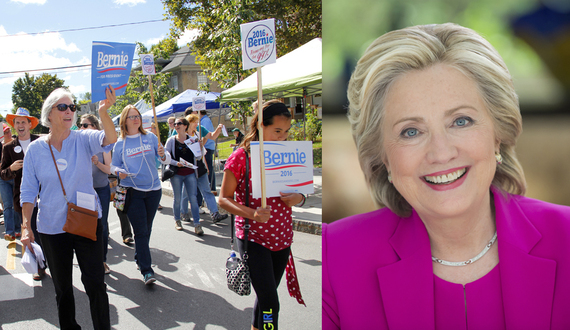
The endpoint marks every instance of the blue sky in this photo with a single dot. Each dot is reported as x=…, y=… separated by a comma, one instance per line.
x=51, y=50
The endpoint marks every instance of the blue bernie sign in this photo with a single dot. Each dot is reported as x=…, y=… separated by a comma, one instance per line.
x=111, y=64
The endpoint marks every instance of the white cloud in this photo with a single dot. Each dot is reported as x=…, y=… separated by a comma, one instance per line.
x=188, y=36
x=129, y=2
x=153, y=41
x=77, y=90
x=31, y=52
x=27, y=2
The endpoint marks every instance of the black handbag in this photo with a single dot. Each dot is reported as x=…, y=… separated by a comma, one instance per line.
x=238, y=278
x=169, y=172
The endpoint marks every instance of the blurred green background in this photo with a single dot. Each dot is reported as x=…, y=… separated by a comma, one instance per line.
x=532, y=36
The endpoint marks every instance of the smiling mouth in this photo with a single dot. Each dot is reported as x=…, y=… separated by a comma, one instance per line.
x=446, y=178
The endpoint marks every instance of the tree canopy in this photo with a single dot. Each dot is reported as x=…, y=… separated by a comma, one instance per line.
x=30, y=92
x=218, y=45
x=137, y=87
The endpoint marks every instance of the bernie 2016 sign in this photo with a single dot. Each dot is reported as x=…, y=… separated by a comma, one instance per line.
x=258, y=43
x=288, y=167
x=111, y=64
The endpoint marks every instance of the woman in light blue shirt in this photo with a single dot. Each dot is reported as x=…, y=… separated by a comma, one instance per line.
x=134, y=162
x=72, y=151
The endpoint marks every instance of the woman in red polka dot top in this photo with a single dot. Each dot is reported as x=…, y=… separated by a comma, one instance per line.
x=271, y=232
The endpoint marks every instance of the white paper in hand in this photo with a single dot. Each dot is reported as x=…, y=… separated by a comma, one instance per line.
x=224, y=131
x=195, y=147
x=30, y=261
x=187, y=164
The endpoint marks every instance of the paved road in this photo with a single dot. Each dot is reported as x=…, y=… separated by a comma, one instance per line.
x=190, y=292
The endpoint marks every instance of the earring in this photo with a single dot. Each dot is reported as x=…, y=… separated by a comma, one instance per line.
x=389, y=177
x=499, y=158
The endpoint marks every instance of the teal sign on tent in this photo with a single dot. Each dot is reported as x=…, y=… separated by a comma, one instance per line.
x=111, y=64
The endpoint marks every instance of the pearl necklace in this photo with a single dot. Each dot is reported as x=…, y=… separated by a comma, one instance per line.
x=470, y=261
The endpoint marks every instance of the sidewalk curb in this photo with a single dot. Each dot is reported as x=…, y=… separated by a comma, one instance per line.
x=303, y=226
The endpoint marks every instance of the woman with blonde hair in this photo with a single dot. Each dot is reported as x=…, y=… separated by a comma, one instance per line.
x=134, y=162
x=435, y=119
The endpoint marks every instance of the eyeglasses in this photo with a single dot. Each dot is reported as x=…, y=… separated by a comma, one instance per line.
x=63, y=107
x=134, y=117
x=85, y=125
x=178, y=124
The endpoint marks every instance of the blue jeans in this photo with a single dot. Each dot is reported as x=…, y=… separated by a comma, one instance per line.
x=211, y=175
x=104, y=194
x=192, y=185
x=12, y=220
x=141, y=208
x=184, y=202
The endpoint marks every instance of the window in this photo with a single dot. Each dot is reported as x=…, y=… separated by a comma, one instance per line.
x=174, y=82
x=202, y=79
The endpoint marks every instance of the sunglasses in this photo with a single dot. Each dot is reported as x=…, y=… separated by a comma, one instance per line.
x=63, y=107
x=134, y=117
x=178, y=124
x=85, y=125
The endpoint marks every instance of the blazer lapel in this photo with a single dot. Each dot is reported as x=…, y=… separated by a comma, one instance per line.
x=527, y=281
x=407, y=285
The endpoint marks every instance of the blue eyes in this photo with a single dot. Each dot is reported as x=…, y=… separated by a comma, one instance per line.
x=410, y=132
x=460, y=122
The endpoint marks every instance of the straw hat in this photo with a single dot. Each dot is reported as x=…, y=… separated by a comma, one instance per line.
x=22, y=112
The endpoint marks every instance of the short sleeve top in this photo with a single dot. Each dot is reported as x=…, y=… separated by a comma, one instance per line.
x=277, y=233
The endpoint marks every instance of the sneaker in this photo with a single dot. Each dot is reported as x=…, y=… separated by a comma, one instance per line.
x=128, y=240
x=202, y=210
x=217, y=217
x=198, y=230
x=185, y=217
x=178, y=225
x=149, y=279
x=9, y=238
x=107, y=269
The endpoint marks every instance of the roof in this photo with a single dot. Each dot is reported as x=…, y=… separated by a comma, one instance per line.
x=182, y=57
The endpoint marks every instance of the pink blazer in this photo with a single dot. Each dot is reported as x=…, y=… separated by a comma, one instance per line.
x=377, y=268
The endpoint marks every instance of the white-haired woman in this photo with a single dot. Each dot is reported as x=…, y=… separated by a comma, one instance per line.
x=72, y=151
x=435, y=118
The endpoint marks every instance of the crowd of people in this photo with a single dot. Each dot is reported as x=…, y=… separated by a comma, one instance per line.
x=41, y=175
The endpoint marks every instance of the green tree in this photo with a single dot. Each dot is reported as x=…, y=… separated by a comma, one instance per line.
x=30, y=92
x=218, y=46
x=137, y=87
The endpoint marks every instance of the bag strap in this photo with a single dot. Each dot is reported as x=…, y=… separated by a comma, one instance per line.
x=247, y=226
x=57, y=169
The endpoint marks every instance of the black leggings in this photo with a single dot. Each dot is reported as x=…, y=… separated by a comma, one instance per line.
x=266, y=268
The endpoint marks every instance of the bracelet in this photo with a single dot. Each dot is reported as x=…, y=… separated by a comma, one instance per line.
x=303, y=201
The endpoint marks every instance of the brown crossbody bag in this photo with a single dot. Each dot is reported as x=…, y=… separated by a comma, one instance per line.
x=80, y=221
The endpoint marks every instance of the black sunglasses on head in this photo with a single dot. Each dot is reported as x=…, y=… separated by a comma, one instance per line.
x=85, y=125
x=63, y=107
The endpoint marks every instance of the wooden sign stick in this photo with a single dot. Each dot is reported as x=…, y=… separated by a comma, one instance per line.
x=260, y=130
